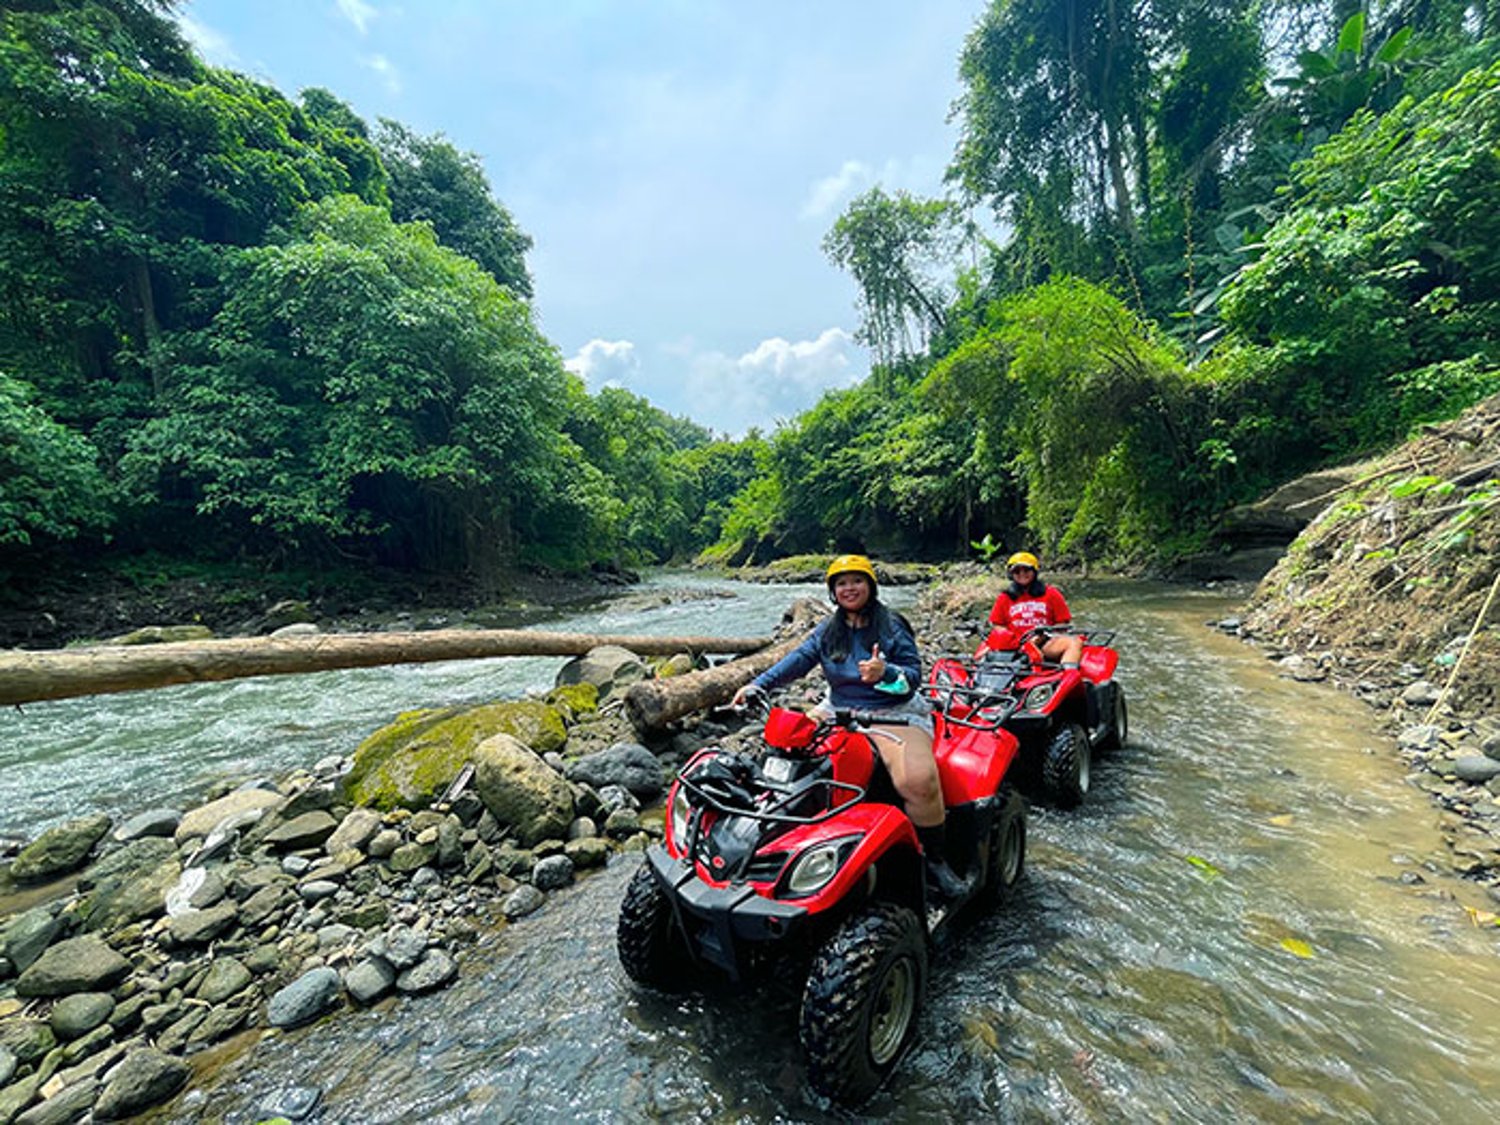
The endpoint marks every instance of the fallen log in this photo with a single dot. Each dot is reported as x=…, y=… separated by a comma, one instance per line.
x=652, y=704
x=31, y=676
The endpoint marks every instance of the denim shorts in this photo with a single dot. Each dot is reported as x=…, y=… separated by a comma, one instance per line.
x=917, y=711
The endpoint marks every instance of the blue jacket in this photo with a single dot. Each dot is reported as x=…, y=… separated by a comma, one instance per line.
x=903, y=667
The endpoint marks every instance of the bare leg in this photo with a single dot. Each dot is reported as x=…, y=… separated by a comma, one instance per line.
x=1064, y=649
x=914, y=771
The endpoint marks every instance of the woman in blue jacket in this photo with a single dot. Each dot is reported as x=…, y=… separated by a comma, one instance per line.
x=870, y=660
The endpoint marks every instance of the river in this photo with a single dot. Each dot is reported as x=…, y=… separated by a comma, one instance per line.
x=1243, y=923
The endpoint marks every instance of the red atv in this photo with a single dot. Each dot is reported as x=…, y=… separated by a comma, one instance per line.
x=806, y=852
x=1059, y=715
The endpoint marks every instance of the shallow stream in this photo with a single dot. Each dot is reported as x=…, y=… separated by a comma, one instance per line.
x=1241, y=924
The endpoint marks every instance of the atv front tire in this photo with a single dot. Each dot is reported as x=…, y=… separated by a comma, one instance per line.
x=1005, y=856
x=652, y=949
x=862, y=1000
x=1066, y=766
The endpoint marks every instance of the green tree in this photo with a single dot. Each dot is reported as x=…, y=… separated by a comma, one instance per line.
x=899, y=250
x=431, y=181
x=50, y=483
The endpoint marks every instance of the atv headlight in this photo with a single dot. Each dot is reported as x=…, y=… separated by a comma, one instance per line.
x=818, y=865
x=679, y=814
x=1039, y=696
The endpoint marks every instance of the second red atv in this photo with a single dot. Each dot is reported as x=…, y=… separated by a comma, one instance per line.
x=805, y=855
x=1061, y=716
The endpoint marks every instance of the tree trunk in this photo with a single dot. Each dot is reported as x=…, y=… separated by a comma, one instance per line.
x=26, y=677
x=652, y=704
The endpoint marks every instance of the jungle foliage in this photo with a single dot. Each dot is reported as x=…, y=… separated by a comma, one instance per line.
x=1234, y=242
x=1205, y=245
x=237, y=325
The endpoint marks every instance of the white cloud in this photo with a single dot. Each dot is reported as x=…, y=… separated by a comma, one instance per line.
x=213, y=46
x=356, y=12
x=383, y=67
x=775, y=380
x=605, y=363
x=828, y=192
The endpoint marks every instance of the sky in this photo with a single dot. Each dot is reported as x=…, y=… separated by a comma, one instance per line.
x=676, y=162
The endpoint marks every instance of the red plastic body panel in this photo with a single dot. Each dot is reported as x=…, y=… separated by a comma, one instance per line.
x=972, y=763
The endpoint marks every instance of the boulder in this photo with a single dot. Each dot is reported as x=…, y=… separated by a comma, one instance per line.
x=152, y=822
x=609, y=668
x=80, y=1013
x=144, y=1078
x=225, y=977
x=81, y=964
x=354, y=832
x=369, y=980
x=130, y=884
x=27, y=935
x=409, y=763
x=625, y=763
x=522, y=791
x=435, y=969
x=237, y=809
x=59, y=850
x=309, y=830
x=305, y=999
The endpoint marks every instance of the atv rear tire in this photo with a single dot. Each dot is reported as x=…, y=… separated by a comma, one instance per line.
x=1005, y=856
x=862, y=1001
x=1117, y=728
x=652, y=949
x=1066, y=766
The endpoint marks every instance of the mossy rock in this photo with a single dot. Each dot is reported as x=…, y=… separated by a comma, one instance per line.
x=410, y=762
x=574, y=700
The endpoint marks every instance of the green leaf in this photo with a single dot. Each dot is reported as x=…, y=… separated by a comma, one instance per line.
x=1204, y=866
x=1297, y=947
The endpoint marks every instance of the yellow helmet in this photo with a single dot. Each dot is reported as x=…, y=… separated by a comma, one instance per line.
x=1021, y=558
x=851, y=564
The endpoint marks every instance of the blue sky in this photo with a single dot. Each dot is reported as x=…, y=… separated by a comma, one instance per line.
x=677, y=163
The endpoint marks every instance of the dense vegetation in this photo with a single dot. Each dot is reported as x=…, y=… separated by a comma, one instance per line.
x=1235, y=240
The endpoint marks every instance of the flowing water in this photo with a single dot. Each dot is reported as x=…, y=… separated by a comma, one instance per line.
x=1241, y=924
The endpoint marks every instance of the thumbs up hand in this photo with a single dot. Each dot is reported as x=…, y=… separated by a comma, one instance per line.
x=872, y=671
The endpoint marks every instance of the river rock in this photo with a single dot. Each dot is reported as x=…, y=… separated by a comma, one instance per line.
x=1422, y=738
x=232, y=811
x=144, y=1078
x=28, y=934
x=355, y=831
x=1420, y=694
x=152, y=822
x=369, y=980
x=59, y=850
x=80, y=1013
x=613, y=797
x=609, y=668
x=553, y=872
x=411, y=857
x=522, y=901
x=129, y=884
x=1476, y=768
x=402, y=946
x=409, y=763
x=225, y=977
x=27, y=1040
x=385, y=843
x=622, y=823
x=263, y=903
x=521, y=790
x=80, y=964
x=305, y=999
x=199, y=927
x=309, y=830
x=435, y=969
x=67, y=1105
x=587, y=851
x=625, y=763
